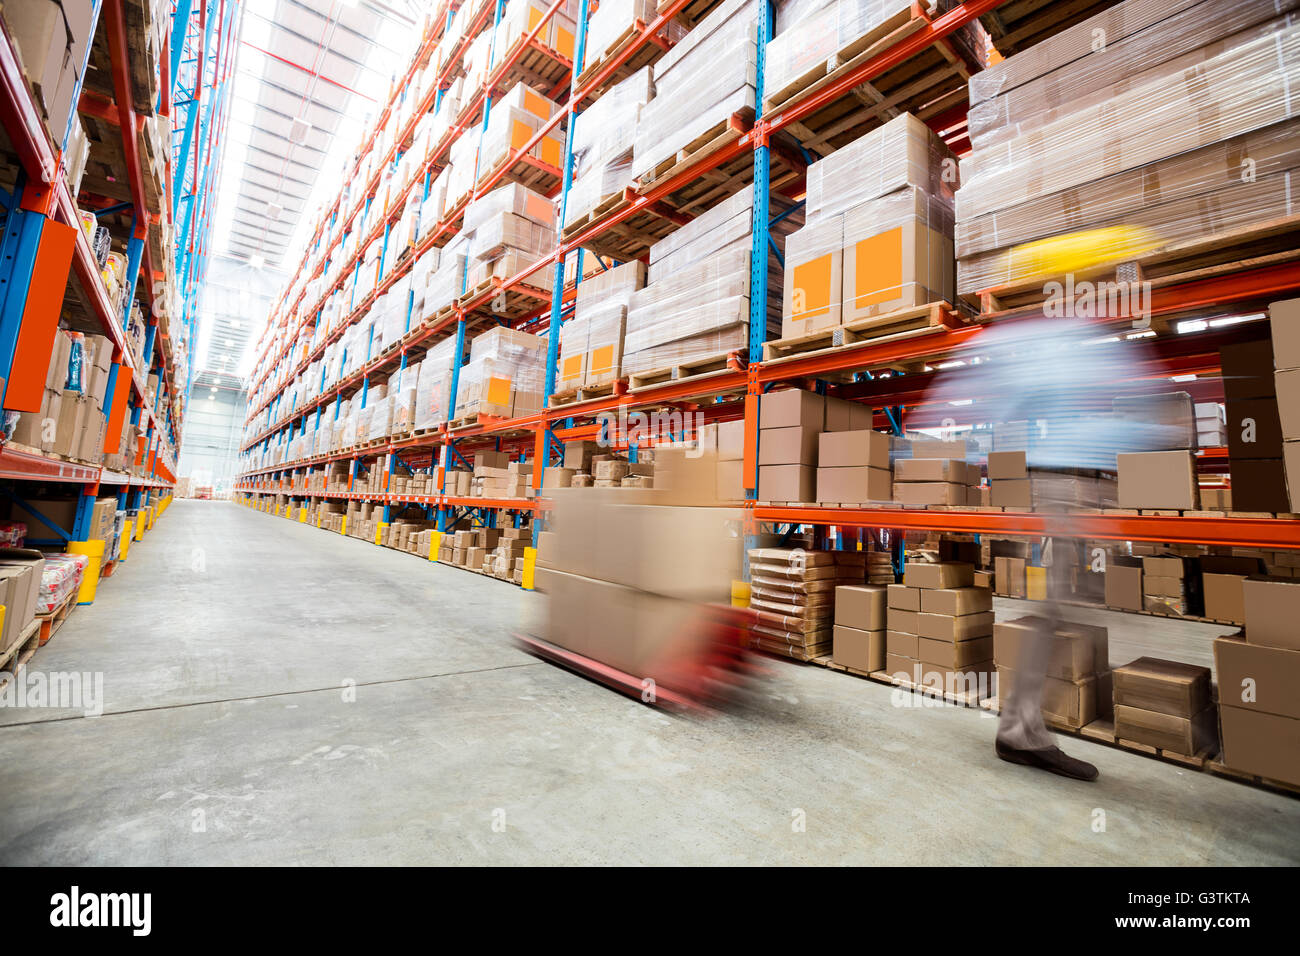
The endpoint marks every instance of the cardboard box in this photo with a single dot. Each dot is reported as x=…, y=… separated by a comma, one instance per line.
x=791, y=445
x=790, y=407
x=1073, y=704
x=1223, y=595
x=814, y=268
x=1011, y=493
x=966, y=627
x=1158, y=479
x=946, y=574
x=1259, y=743
x=1272, y=610
x=905, y=622
x=1182, y=735
x=1254, y=428
x=1007, y=465
x=858, y=649
x=898, y=253
x=1256, y=678
x=935, y=469
x=853, y=448
x=731, y=480
x=903, y=597
x=731, y=440
x=861, y=607
x=787, y=483
x=954, y=655
x=901, y=644
x=1124, y=587
x=842, y=416
x=851, y=485
x=1259, y=484
x=1291, y=467
x=1163, y=687
x=1287, y=383
x=1073, y=655
x=1247, y=369
x=1009, y=576
x=898, y=666
x=955, y=601
x=930, y=493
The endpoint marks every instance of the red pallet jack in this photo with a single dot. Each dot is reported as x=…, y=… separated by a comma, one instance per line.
x=713, y=672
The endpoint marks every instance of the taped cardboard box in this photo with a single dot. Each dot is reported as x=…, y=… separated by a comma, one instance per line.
x=1163, y=479
x=898, y=253
x=1166, y=687
x=853, y=484
x=1069, y=703
x=814, y=278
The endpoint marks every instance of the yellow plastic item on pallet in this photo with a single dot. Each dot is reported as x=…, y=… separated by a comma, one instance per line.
x=94, y=550
x=379, y=531
x=344, y=528
x=139, y=525
x=1084, y=252
x=1036, y=583
x=530, y=566
x=740, y=593
x=435, y=542
x=124, y=543
x=302, y=515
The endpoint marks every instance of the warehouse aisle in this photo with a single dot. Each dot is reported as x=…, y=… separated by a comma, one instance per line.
x=277, y=694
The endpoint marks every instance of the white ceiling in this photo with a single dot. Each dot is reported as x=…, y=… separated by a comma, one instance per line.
x=323, y=63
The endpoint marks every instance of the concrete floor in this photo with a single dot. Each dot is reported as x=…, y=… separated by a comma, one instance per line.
x=225, y=641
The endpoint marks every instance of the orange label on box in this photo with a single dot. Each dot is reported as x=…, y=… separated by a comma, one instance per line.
x=571, y=367
x=550, y=151
x=602, y=360
x=878, y=268
x=812, y=288
x=536, y=104
x=498, y=390
x=563, y=42
x=519, y=134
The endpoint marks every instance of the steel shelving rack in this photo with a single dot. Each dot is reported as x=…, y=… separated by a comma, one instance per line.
x=46, y=248
x=735, y=393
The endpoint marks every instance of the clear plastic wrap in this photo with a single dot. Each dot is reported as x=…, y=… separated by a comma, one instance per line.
x=586, y=191
x=720, y=229
x=904, y=152
x=504, y=231
x=521, y=16
x=446, y=285
x=898, y=252
x=613, y=20
x=605, y=336
x=60, y=577
x=607, y=129
x=715, y=278
x=1242, y=89
x=700, y=88
x=1231, y=207
x=510, y=198
x=1194, y=37
x=521, y=96
x=575, y=336
x=694, y=345
x=821, y=31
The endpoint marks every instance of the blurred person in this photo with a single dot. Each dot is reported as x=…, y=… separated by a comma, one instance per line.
x=1058, y=375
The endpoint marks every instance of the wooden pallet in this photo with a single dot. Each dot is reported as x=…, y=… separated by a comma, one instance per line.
x=927, y=84
x=646, y=54
x=859, y=331
x=901, y=25
x=598, y=213
x=719, y=136
x=707, y=365
x=535, y=175
x=20, y=651
x=50, y=623
x=1273, y=243
x=587, y=393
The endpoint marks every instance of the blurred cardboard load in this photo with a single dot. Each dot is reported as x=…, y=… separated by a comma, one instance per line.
x=625, y=570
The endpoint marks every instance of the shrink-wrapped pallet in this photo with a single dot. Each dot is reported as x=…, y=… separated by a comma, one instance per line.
x=504, y=376
x=509, y=129
x=898, y=253
x=433, y=385
x=699, y=83
x=603, y=138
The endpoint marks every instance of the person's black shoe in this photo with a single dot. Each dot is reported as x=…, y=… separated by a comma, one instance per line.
x=1049, y=758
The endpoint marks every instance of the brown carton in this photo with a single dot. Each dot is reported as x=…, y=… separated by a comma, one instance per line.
x=929, y=493
x=1181, y=735
x=1158, y=479
x=1224, y=599
x=1263, y=744
x=858, y=649
x=956, y=601
x=862, y=607
x=947, y=574
x=1007, y=465
x=790, y=407
x=1254, y=428
x=852, y=485
x=853, y=448
x=905, y=622
x=1124, y=587
x=1073, y=653
x=903, y=597
x=954, y=655
x=1071, y=703
x=1257, y=678
x=1165, y=687
x=967, y=627
x=901, y=644
x=1272, y=610
x=787, y=483
x=1247, y=369
x=790, y=445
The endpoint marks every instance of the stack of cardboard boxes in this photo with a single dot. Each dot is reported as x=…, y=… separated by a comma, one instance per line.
x=1258, y=675
x=21, y=571
x=793, y=593
x=1284, y=322
x=71, y=421
x=940, y=626
x=936, y=481
x=504, y=377
x=1077, y=690
x=1167, y=705
x=860, y=627
x=790, y=466
x=52, y=37
x=591, y=343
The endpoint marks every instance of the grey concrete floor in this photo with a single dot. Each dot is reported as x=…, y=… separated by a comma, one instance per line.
x=227, y=643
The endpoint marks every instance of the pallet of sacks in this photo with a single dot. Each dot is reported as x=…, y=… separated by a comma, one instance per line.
x=793, y=592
